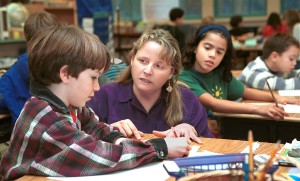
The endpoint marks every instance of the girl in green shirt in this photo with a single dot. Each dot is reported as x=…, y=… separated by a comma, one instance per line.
x=207, y=72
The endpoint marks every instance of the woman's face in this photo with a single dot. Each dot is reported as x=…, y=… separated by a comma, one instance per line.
x=149, y=71
x=210, y=52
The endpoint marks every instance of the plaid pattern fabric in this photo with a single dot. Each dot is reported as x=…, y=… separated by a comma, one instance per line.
x=45, y=141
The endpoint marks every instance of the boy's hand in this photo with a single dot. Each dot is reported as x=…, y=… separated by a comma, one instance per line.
x=177, y=147
x=127, y=128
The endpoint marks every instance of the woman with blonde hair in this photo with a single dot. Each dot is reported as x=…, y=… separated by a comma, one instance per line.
x=147, y=97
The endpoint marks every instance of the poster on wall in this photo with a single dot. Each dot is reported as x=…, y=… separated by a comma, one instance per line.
x=157, y=10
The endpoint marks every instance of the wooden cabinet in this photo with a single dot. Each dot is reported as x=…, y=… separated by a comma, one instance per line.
x=64, y=14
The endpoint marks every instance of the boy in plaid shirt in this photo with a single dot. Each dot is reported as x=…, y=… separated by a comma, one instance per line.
x=56, y=133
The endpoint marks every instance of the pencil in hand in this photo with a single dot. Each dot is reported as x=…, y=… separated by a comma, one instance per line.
x=274, y=99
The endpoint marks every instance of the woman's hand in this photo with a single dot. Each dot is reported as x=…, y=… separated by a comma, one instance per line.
x=272, y=111
x=127, y=128
x=177, y=147
x=182, y=130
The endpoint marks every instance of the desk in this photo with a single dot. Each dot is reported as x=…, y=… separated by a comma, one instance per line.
x=12, y=47
x=236, y=126
x=210, y=144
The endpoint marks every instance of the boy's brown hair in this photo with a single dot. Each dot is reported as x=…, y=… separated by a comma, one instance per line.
x=278, y=43
x=56, y=46
x=37, y=21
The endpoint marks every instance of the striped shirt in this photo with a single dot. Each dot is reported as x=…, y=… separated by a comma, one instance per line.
x=256, y=72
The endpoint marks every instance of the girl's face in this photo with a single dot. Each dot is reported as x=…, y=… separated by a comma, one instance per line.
x=149, y=71
x=210, y=52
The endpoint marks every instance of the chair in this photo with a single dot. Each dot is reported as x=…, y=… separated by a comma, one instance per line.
x=236, y=73
x=5, y=123
x=5, y=127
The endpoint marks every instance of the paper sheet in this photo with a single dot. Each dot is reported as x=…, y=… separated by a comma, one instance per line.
x=289, y=92
x=255, y=145
x=288, y=108
x=153, y=171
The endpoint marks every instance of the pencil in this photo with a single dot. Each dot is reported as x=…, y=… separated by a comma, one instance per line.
x=272, y=93
x=268, y=164
x=250, y=162
x=174, y=132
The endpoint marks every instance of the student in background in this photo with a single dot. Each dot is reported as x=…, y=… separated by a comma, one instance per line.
x=56, y=133
x=273, y=26
x=14, y=83
x=237, y=31
x=207, y=20
x=291, y=18
x=117, y=66
x=147, y=97
x=176, y=16
x=277, y=63
x=207, y=71
x=296, y=34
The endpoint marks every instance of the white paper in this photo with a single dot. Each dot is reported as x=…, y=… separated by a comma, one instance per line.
x=152, y=171
x=203, y=153
x=288, y=108
x=289, y=92
x=255, y=145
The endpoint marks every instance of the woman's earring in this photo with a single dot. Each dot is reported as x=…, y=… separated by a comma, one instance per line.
x=169, y=88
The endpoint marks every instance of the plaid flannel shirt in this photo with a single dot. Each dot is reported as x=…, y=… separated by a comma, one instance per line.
x=47, y=142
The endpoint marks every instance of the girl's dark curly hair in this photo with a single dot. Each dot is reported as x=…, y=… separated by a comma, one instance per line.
x=189, y=58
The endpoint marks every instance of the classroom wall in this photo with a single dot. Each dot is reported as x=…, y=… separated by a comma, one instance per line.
x=208, y=10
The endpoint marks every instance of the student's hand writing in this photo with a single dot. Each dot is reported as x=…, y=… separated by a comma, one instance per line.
x=272, y=111
x=182, y=130
x=128, y=128
x=177, y=147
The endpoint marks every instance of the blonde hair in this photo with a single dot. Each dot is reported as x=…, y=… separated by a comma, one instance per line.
x=171, y=54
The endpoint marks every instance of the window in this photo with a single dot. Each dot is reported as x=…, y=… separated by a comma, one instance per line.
x=227, y=8
x=130, y=10
x=192, y=8
x=289, y=4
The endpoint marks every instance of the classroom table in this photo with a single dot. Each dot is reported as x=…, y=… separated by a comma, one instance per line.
x=236, y=126
x=225, y=146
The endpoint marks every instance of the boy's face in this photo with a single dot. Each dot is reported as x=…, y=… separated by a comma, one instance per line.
x=286, y=62
x=81, y=89
x=210, y=52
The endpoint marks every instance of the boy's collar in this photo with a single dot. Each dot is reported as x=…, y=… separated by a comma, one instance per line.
x=41, y=91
